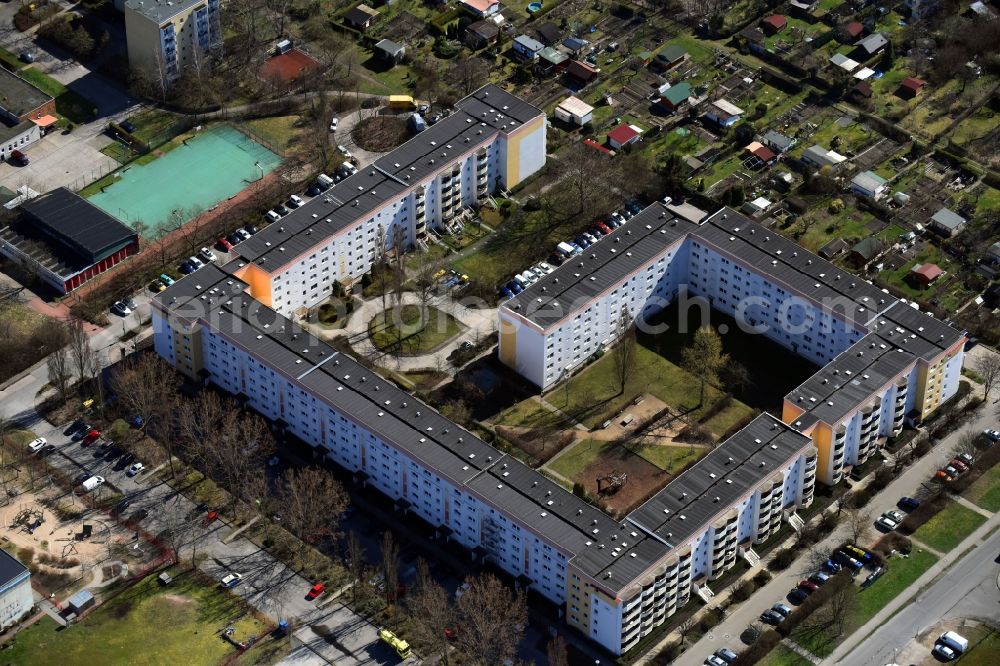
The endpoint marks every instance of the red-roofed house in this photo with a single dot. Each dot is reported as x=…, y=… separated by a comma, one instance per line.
x=761, y=152
x=909, y=87
x=863, y=90
x=481, y=8
x=773, y=24
x=580, y=71
x=924, y=274
x=622, y=136
x=853, y=31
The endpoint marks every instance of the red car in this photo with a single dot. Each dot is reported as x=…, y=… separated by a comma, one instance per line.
x=808, y=585
x=90, y=438
x=959, y=464
x=315, y=591
x=603, y=227
x=450, y=632
x=223, y=245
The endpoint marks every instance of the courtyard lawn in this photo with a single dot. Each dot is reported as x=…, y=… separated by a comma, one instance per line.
x=784, y=656
x=949, y=527
x=148, y=624
x=530, y=414
x=409, y=331
x=154, y=126
x=983, y=653
x=985, y=491
x=900, y=574
x=593, y=395
x=72, y=106
x=573, y=461
x=671, y=459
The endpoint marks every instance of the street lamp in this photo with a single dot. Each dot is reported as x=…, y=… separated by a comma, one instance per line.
x=257, y=164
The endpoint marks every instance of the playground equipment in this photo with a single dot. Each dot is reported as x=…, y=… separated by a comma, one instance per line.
x=613, y=482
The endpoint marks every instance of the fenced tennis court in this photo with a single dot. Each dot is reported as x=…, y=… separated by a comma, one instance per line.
x=191, y=178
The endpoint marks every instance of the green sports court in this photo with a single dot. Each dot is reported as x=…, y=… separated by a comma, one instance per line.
x=212, y=165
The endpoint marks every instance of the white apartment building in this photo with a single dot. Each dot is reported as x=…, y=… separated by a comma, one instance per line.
x=166, y=36
x=616, y=579
x=16, y=599
x=492, y=141
x=827, y=315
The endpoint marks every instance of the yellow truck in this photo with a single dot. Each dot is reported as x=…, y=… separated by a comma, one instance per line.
x=401, y=647
x=403, y=102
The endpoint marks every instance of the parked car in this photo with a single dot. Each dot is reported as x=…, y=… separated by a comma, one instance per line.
x=772, y=617
x=90, y=438
x=92, y=482
x=908, y=503
x=966, y=458
x=892, y=514
x=858, y=553
x=19, y=158
x=842, y=558
x=873, y=576
x=120, y=309
x=196, y=262
x=245, y=232
x=121, y=506
x=186, y=267
x=943, y=652
x=887, y=524
x=797, y=596
x=234, y=238
x=345, y=152
x=207, y=255
x=808, y=586
x=333, y=124
x=272, y=216
x=782, y=609
x=223, y=244
x=959, y=464
x=506, y=293
x=313, y=190
x=156, y=286
x=26, y=56
x=992, y=434
x=37, y=445
x=282, y=210
x=831, y=567
x=81, y=432
x=712, y=660
x=946, y=474
x=315, y=591
x=819, y=578
x=135, y=468
x=294, y=201
x=231, y=580
x=726, y=655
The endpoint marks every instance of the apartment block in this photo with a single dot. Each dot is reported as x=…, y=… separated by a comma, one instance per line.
x=167, y=36
x=491, y=142
x=613, y=577
x=882, y=359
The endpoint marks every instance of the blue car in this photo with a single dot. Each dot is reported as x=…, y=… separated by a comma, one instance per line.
x=186, y=268
x=515, y=286
x=582, y=242
x=831, y=567
x=908, y=503
x=136, y=421
x=234, y=238
x=507, y=293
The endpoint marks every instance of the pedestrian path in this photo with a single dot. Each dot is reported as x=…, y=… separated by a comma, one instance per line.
x=801, y=651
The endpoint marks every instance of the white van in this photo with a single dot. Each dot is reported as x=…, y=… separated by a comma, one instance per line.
x=565, y=248
x=92, y=483
x=272, y=216
x=955, y=641
x=324, y=180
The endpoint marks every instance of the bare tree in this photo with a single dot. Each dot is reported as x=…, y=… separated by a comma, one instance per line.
x=146, y=386
x=431, y=612
x=390, y=565
x=556, y=652
x=355, y=563
x=968, y=443
x=685, y=628
x=468, y=74
x=988, y=367
x=831, y=618
x=859, y=524
x=492, y=621
x=80, y=349
x=624, y=350
x=312, y=502
x=60, y=371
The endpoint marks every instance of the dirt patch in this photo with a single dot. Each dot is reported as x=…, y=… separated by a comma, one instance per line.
x=643, y=478
x=380, y=134
x=178, y=599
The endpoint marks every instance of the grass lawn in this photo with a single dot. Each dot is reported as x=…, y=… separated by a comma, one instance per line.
x=900, y=574
x=593, y=394
x=572, y=462
x=985, y=491
x=783, y=656
x=10, y=61
x=279, y=131
x=153, y=126
x=947, y=529
x=983, y=653
x=530, y=414
x=988, y=199
x=72, y=106
x=414, y=334
x=670, y=459
x=147, y=624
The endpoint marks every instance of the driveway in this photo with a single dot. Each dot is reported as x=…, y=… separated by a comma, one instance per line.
x=343, y=136
x=726, y=634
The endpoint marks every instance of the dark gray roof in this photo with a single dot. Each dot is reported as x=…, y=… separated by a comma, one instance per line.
x=872, y=42
x=846, y=382
x=766, y=252
x=161, y=10
x=601, y=266
x=19, y=97
x=715, y=483
x=413, y=427
x=778, y=141
x=9, y=132
x=477, y=118
x=78, y=231
x=10, y=567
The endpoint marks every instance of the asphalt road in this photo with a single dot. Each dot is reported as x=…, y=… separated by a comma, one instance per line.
x=726, y=634
x=968, y=589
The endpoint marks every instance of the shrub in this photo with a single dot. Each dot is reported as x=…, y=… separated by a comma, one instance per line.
x=762, y=578
x=743, y=591
x=814, y=601
x=782, y=560
x=922, y=514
